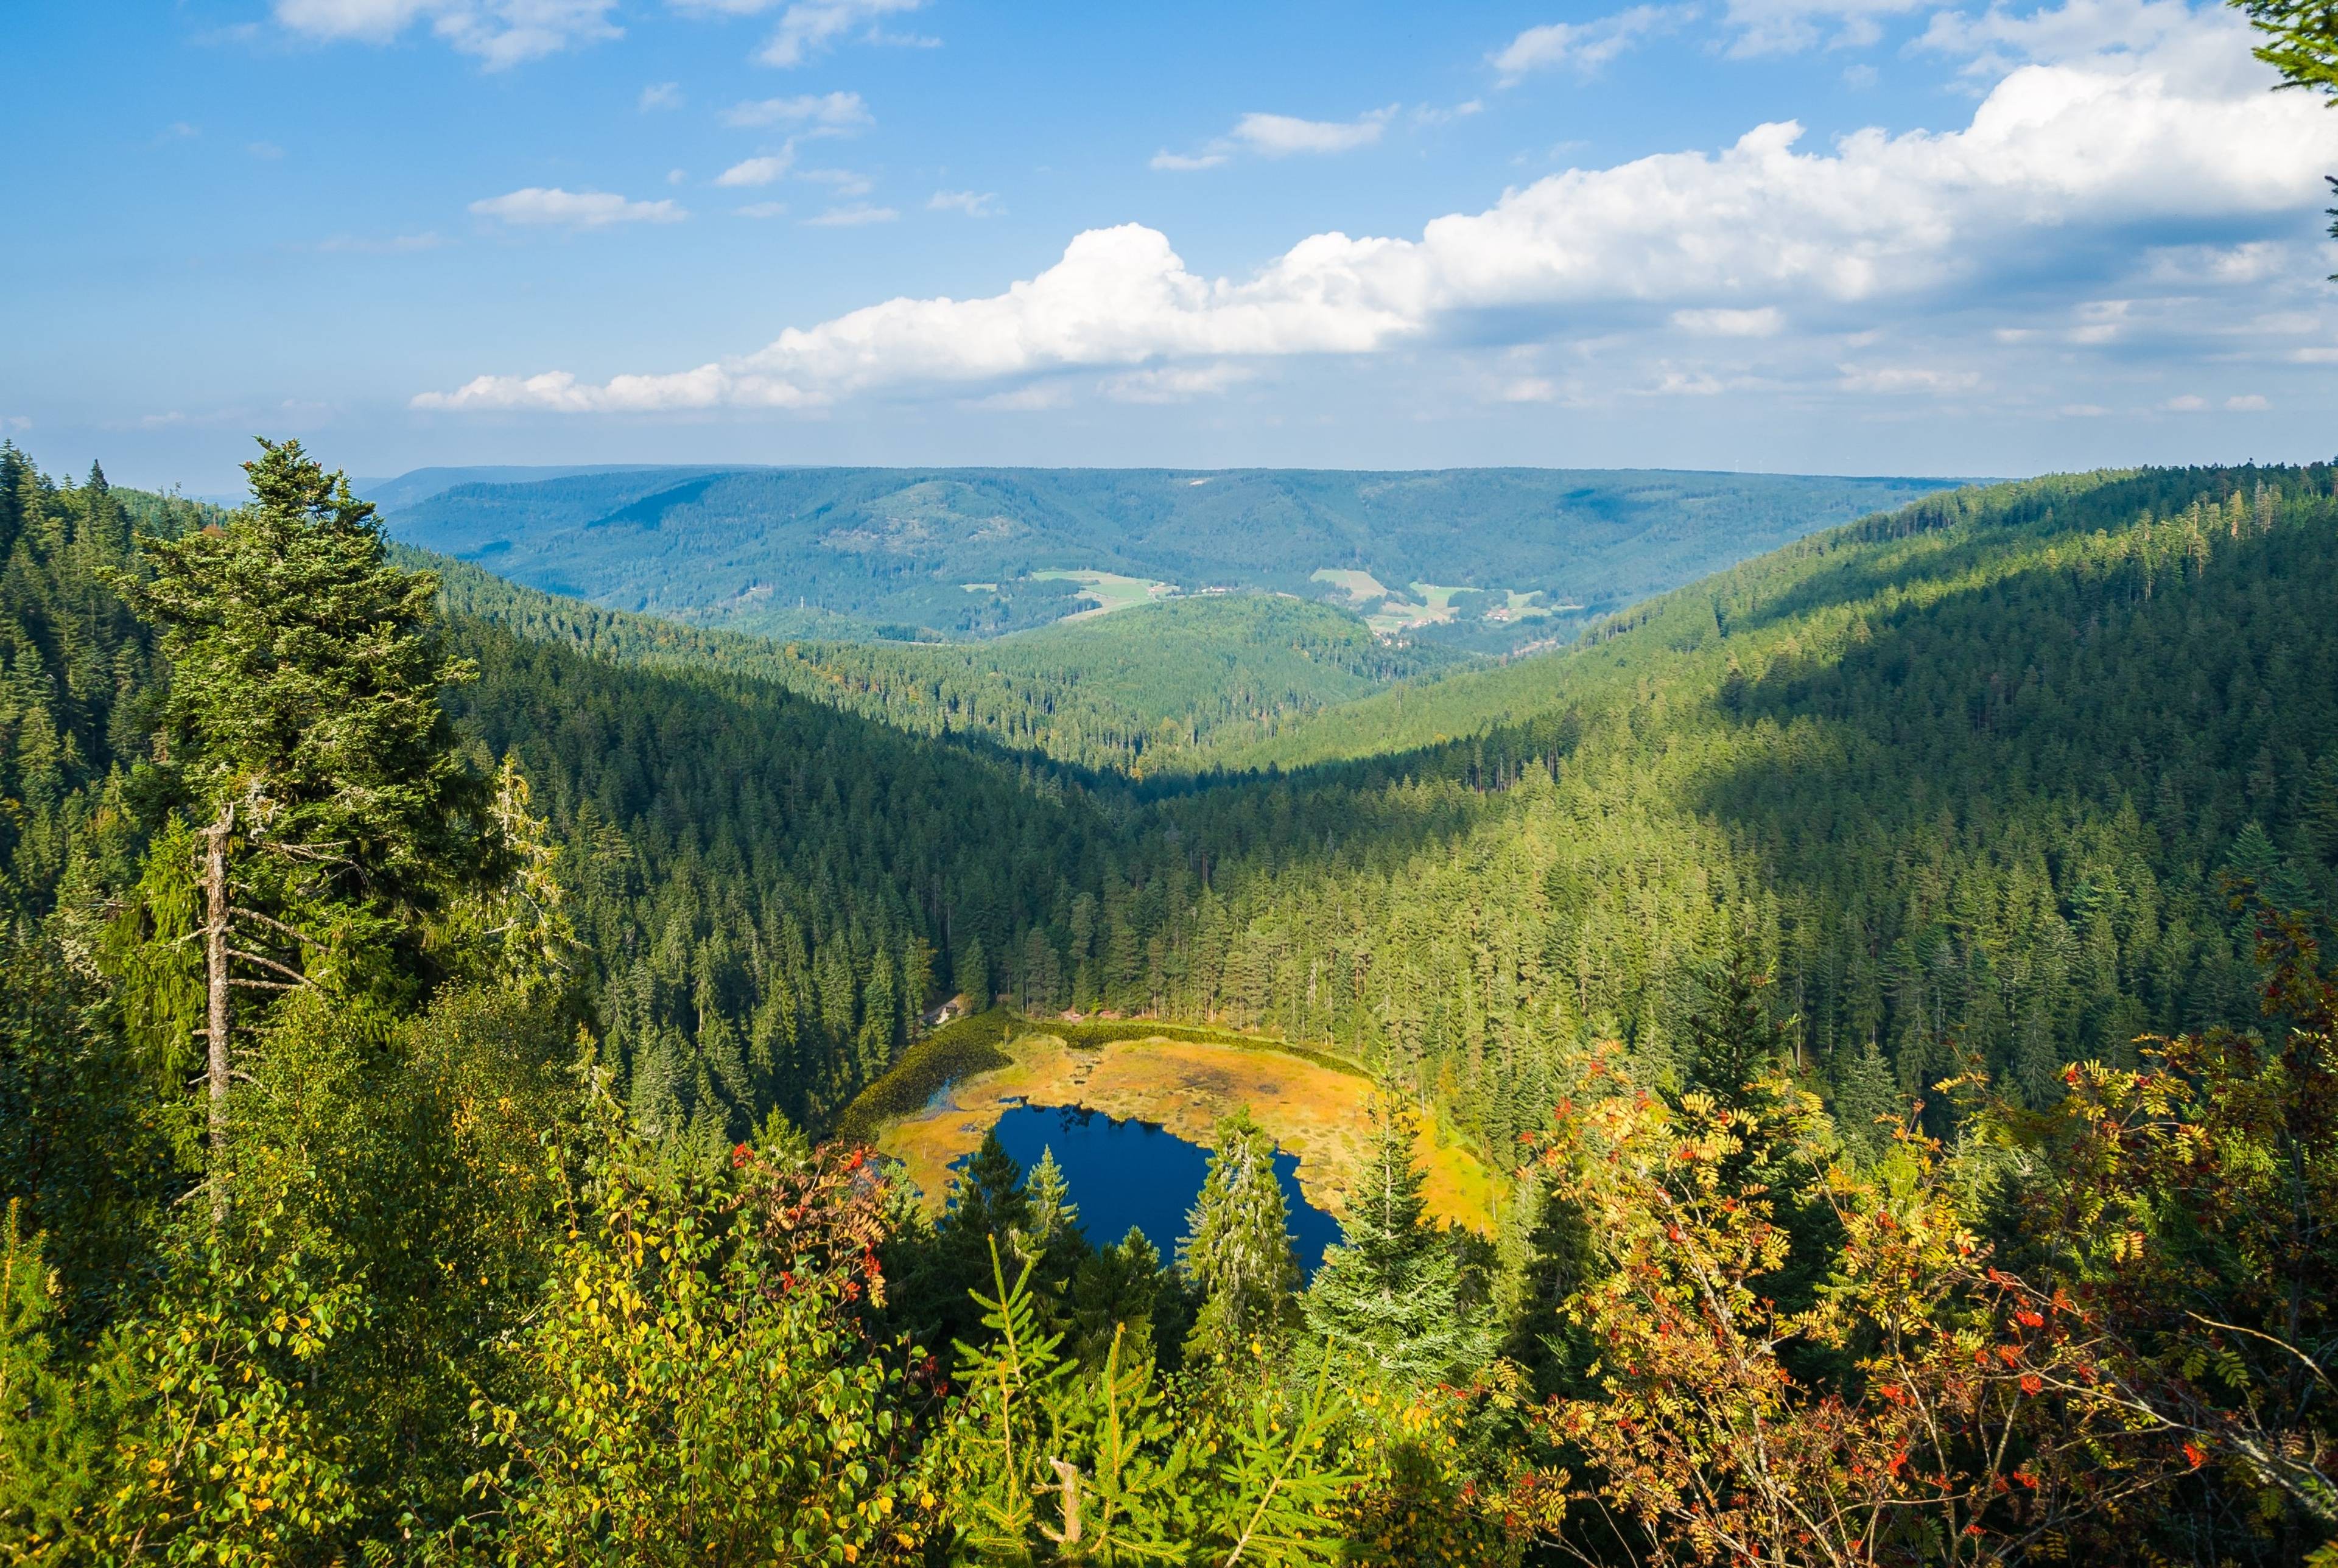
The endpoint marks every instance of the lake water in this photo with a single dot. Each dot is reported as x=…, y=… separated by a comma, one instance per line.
x=1125, y=1173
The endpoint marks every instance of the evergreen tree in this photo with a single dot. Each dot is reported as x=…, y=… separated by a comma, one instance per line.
x=1117, y=1288
x=1392, y=1291
x=1237, y=1249
x=304, y=735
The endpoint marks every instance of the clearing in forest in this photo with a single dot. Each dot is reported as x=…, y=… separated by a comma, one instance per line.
x=1315, y=1108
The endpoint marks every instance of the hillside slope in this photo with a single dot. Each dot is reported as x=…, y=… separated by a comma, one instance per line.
x=1145, y=692
x=1964, y=778
x=839, y=552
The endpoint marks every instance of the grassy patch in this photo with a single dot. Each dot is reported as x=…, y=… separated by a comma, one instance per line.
x=958, y=1049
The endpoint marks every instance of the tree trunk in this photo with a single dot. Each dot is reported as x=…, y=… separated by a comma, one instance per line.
x=215, y=922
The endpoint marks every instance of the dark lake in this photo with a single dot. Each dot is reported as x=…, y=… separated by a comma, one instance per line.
x=1125, y=1173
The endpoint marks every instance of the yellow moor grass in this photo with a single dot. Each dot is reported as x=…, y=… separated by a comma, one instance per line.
x=1315, y=1111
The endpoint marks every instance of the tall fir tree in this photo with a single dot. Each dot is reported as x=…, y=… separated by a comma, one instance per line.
x=304, y=734
x=1237, y=1249
x=1392, y=1291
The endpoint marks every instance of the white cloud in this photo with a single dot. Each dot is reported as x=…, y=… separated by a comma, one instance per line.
x=2079, y=30
x=660, y=96
x=809, y=26
x=1185, y=162
x=757, y=170
x=1775, y=26
x=852, y=216
x=1527, y=389
x=828, y=111
x=2188, y=403
x=1890, y=379
x=762, y=209
x=1174, y=383
x=1280, y=135
x=707, y=387
x=499, y=31
x=973, y=203
x=1429, y=114
x=1583, y=46
x=1764, y=322
x=536, y=206
x=2247, y=403
x=2060, y=164
x=844, y=182
x=2083, y=411
x=2254, y=262
x=266, y=151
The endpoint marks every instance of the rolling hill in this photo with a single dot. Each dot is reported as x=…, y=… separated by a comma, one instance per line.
x=1488, y=559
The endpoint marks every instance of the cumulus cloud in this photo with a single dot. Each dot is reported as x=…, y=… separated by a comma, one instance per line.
x=825, y=111
x=1281, y=136
x=1583, y=46
x=1185, y=162
x=757, y=170
x=810, y=26
x=500, y=33
x=973, y=203
x=1779, y=26
x=660, y=96
x=2060, y=158
x=1764, y=321
x=536, y=206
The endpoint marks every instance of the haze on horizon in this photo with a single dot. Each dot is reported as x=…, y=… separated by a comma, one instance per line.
x=1819, y=236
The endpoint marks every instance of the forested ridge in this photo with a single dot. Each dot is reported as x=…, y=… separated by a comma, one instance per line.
x=1154, y=690
x=485, y=1219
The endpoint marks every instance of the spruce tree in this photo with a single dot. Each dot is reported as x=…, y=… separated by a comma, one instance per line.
x=1390, y=1292
x=1116, y=1289
x=303, y=732
x=1237, y=1248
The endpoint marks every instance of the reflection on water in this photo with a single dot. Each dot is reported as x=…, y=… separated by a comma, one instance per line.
x=1124, y=1173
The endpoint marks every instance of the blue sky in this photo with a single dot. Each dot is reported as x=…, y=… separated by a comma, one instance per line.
x=1853, y=236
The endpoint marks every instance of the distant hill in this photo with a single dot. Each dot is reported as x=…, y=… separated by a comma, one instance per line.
x=1150, y=691
x=421, y=484
x=1485, y=559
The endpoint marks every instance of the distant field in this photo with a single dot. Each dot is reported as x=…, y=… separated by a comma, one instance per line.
x=1315, y=1108
x=1111, y=591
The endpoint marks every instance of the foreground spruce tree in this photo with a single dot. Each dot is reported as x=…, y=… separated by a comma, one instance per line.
x=1391, y=1293
x=1237, y=1246
x=303, y=734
